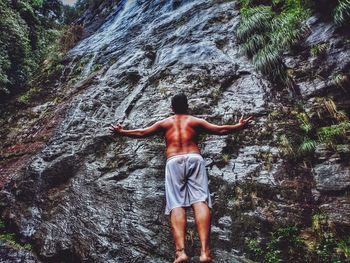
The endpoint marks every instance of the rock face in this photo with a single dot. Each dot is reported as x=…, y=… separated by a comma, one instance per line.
x=92, y=197
x=11, y=254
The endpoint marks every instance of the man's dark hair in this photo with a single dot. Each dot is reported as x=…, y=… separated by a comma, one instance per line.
x=179, y=103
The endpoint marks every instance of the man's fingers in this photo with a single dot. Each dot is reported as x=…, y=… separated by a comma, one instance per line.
x=116, y=126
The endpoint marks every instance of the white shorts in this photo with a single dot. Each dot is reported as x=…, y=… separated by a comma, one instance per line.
x=186, y=181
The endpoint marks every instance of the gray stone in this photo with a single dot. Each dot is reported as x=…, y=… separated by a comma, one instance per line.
x=332, y=177
x=92, y=197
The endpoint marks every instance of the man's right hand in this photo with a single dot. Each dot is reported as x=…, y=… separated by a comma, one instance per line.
x=115, y=128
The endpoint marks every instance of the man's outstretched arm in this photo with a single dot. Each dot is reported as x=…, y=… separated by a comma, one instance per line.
x=137, y=133
x=223, y=129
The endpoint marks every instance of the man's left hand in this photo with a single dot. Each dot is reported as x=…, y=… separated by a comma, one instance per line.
x=243, y=121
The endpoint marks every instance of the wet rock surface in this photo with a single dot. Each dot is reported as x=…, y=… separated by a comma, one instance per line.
x=92, y=197
x=12, y=254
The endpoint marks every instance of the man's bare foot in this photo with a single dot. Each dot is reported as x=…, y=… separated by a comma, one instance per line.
x=180, y=256
x=205, y=257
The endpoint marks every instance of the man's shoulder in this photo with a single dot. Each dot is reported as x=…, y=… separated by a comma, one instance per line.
x=196, y=119
x=165, y=121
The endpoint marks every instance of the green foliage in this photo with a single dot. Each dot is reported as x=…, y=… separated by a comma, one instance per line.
x=97, y=67
x=319, y=50
x=26, y=32
x=29, y=33
x=269, y=61
x=343, y=246
x=255, y=20
x=341, y=80
x=328, y=247
x=285, y=145
x=69, y=37
x=10, y=238
x=15, y=60
x=25, y=98
x=305, y=123
x=70, y=13
x=338, y=10
x=2, y=225
x=253, y=44
x=307, y=146
x=28, y=246
x=334, y=133
x=255, y=247
x=325, y=249
x=284, y=245
x=342, y=13
x=266, y=32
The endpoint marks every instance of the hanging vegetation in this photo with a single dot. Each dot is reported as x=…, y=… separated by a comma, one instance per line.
x=271, y=27
x=342, y=13
x=266, y=31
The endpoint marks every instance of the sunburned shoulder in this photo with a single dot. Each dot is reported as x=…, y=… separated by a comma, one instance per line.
x=188, y=117
x=197, y=120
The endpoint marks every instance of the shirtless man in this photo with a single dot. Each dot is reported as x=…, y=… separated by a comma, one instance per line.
x=186, y=181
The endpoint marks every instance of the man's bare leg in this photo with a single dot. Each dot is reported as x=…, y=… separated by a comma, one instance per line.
x=178, y=227
x=202, y=218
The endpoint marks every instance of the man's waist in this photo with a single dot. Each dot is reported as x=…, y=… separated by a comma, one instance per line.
x=182, y=154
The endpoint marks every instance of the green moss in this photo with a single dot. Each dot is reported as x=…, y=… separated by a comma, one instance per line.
x=335, y=133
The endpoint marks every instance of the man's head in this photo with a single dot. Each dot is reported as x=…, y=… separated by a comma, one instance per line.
x=179, y=104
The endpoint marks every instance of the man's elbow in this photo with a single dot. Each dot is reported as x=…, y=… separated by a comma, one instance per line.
x=217, y=132
x=223, y=132
x=141, y=134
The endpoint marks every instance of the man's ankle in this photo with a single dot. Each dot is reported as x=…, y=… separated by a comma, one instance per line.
x=205, y=250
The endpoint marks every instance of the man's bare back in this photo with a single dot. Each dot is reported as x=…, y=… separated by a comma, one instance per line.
x=181, y=133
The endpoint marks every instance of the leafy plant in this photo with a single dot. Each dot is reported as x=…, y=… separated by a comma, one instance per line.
x=10, y=238
x=265, y=34
x=286, y=146
x=305, y=123
x=70, y=36
x=2, y=224
x=254, y=246
x=319, y=50
x=255, y=20
x=284, y=244
x=341, y=80
x=253, y=44
x=343, y=246
x=334, y=133
x=342, y=12
x=307, y=146
x=25, y=98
